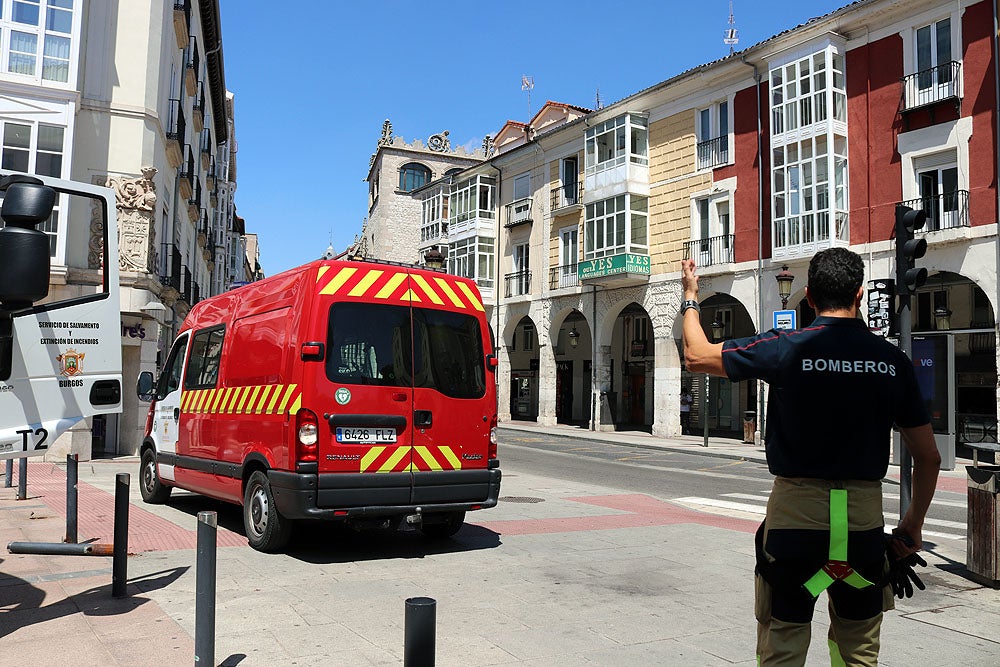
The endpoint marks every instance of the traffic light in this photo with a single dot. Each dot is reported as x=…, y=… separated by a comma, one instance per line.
x=908, y=250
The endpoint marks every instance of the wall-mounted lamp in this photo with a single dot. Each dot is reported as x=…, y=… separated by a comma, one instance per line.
x=785, y=280
x=434, y=259
x=574, y=337
x=718, y=328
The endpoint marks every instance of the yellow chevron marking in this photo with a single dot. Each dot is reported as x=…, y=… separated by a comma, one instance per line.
x=322, y=272
x=219, y=393
x=234, y=399
x=246, y=405
x=428, y=457
x=365, y=283
x=449, y=292
x=263, y=399
x=390, y=286
x=409, y=296
x=274, y=398
x=185, y=399
x=456, y=463
x=288, y=395
x=428, y=290
x=370, y=457
x=295, y=405
x=394, y=458
x=338, y=280
x=471, y=296
x=202, y=395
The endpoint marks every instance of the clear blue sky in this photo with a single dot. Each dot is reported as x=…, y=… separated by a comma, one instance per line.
x=314, y=80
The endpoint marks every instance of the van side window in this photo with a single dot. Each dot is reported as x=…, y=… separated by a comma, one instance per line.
x=369, y=344
x=170, y=378
x=203, y=363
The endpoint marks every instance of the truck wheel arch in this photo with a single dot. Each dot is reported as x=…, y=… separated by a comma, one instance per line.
x=253, y=462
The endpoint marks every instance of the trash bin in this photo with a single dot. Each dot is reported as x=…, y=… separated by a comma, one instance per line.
x=983, y=529
x=749, y=426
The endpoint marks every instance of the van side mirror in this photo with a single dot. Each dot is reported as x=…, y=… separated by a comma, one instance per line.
x=492, y=361
x=145, y=388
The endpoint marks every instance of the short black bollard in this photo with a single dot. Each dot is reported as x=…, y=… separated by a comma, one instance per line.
x=419, y=631
x=72, y=475
x=22, y=478
x=204, y=603
x=119, y=559
x=8, y=478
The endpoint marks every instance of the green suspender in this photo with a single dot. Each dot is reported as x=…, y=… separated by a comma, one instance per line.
x=837, y=568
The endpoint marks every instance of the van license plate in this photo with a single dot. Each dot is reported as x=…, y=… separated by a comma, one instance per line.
x=366, y=436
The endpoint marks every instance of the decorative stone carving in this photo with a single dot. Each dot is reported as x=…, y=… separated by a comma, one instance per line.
x=95, y=246
x=386, y=138
x=439, y=143
x=135, y=201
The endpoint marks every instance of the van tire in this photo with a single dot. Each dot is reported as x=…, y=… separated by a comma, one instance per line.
x=439, y=531
x=153, y=491
x=266, y=529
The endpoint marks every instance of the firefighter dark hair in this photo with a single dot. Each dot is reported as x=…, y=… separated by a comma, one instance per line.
x=834, y=278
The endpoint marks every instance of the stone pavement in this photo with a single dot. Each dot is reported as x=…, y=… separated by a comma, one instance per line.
x=560, y=573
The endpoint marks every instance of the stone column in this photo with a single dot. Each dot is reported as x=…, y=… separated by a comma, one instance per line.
x=546, y=385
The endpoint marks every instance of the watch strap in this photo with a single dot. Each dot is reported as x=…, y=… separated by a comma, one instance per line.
x=690, y=303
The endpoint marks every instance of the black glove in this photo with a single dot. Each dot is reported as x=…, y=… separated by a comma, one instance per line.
x=901, y=572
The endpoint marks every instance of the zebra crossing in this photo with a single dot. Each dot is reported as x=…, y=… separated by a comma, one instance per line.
x=755, y=504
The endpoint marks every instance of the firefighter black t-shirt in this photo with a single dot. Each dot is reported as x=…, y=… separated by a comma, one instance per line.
x=836, y=389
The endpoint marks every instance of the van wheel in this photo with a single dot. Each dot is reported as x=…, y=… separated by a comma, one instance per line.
x=451, y=525
x=152, y=489
x=266, y=529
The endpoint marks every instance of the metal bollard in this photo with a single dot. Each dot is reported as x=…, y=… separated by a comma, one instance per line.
x=119, y=559
x=72, y=475
x=8, y=478
x=419, y=631
x=22, y=478
x=204, y=605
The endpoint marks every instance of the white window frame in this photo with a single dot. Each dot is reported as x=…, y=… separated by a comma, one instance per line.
x=521, y=265
x=626, y=211
x=40, y=32
x=909, y=37
x=721, y=194
x=624, y=139
x=569, y=181
x=917, y=145
x=569, y=237
x=711, y=157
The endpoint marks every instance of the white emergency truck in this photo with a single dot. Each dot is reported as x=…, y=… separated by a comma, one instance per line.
x=60, y=359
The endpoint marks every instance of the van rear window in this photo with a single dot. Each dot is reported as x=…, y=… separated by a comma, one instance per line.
x=375, y=344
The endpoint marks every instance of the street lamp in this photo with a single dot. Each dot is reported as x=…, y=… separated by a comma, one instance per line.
x=574, y=337
x=942, y=318
x=717, y=326
x=434, y=259
x=785, y=280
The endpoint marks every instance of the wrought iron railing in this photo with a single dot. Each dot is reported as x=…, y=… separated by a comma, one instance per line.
x=569, y=194
x=713, y=250
x=517, y=284
x=170, y=271
x=191, y=58
x=187, y=167
x=176, y=125
x=947, y=210
x=564, y=275
x=932, y=85
x=196, y=194
x=713, y=152
x=518, y=212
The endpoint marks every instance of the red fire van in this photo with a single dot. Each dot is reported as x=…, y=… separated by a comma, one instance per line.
x=344, y=390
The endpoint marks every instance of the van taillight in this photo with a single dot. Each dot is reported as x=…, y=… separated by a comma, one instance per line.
x=307, y=436
x=493, y=438
x=149, y=420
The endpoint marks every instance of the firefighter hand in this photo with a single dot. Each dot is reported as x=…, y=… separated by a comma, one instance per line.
x=901, y=576
x=689, y=280
x=907, y=541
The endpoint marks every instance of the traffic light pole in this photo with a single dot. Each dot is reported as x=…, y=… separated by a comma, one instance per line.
x=905, y=460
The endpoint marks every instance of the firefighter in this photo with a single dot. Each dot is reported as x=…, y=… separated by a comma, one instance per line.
x=836, y=391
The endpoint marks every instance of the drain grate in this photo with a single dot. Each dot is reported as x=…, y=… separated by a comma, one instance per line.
x=521, y=499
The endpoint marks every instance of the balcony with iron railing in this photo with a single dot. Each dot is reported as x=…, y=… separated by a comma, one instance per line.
x=517, y=284
x=210, y=175
x=188, y=174
x=204, y=233
x=948, y=210
x=566, y=197
x=176, y=131
x=564, y=275
x=933, y=85
x=713, y=152
x=194, y=203
x=518, y=213
x=170, y=270
x=182, y=22
x=187, y=283
x=198, y=110
x=711, y=251
x=192, y=63
x=206, y=149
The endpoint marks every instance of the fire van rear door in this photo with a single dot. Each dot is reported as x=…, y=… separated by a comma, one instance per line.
x=366, y=392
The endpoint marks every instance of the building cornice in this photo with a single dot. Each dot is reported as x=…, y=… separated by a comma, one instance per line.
x=211, y=34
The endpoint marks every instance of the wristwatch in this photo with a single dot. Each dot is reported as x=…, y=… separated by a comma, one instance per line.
x=690, y=303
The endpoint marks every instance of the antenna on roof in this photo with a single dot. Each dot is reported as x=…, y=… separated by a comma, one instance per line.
x=598, y=104
x=732, y=35
x=527, y=83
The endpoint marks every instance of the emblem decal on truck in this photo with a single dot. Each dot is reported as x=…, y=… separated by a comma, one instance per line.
x=70, y=363
x=342, y=395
